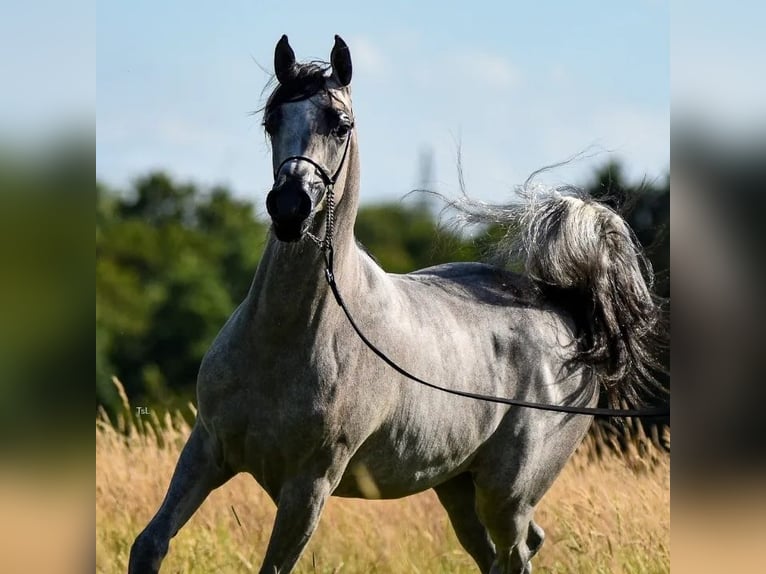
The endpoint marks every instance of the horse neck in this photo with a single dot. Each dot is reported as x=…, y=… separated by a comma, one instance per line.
x=290, y=280
x=344, y=242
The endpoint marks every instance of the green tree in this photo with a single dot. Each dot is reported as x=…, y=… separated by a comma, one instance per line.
x=171, y=264
x=404, y=238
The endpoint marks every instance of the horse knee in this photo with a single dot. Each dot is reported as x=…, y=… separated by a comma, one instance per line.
x=147, y=553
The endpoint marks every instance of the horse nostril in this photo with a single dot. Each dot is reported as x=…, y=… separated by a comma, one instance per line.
x=270, y=206
x=288, y=204
x=305, y=206
x=287, y=207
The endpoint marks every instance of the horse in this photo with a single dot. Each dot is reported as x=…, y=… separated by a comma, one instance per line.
x=290, y=394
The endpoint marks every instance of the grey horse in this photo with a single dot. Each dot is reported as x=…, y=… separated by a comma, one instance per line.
x=290, y=394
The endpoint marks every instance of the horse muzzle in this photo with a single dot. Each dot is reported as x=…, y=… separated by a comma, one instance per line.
x=290, y=207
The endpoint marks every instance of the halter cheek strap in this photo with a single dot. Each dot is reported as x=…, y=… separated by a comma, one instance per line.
x=328, y=197
x=326, y=179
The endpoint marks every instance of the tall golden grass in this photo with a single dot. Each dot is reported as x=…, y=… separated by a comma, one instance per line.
x=605, y=514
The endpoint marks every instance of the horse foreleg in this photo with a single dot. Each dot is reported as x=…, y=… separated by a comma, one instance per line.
x=458, y=496
x=299, y=507
x=197, y=473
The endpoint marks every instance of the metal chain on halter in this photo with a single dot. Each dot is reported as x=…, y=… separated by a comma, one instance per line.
x=330, y=224
x=326, y=245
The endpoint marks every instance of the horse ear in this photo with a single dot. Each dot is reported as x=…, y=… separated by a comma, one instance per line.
x=284, y=61
x=340, y=58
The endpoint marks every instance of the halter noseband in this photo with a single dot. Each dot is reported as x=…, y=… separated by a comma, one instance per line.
x=325, y=245
x=326, y=179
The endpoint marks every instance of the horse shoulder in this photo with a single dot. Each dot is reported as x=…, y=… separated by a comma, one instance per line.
x=221, y=372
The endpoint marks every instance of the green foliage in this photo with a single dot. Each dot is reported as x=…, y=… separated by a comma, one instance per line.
x=404, y=238
x=46, y=193
x=171, y=264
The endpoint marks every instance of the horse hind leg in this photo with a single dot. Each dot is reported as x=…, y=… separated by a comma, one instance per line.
x=458, y=496
x=197, y=473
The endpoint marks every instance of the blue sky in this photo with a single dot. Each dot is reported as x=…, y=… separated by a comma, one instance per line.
x=520, y=85
x=47, y=59
x=717, y=62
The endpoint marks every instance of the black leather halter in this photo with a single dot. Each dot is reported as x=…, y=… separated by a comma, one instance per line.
x=326, y=179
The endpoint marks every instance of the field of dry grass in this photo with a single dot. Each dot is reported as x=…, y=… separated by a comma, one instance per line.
x=604, y=514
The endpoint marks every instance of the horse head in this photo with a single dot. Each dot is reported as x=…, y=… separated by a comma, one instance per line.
x=310, y=123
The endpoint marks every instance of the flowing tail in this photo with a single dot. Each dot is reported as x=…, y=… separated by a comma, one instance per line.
x=585, y=257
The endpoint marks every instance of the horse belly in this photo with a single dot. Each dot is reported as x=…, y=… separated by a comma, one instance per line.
x=406, y=458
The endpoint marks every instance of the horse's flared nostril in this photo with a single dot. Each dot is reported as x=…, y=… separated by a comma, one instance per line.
x=271, y=207
x=289, y=207
x=304, y=210
x=288, y=203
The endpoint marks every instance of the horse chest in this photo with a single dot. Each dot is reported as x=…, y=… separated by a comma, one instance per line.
x=262, y=406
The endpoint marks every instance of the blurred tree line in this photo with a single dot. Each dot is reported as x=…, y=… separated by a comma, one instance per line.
x=45, y=289
x=174, y=260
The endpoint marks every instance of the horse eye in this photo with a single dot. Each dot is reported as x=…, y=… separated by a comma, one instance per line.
x=270, y=125
x=342, y=130
x=344, y=126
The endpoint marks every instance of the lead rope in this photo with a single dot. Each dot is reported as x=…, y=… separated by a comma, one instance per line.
x=326, y=246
